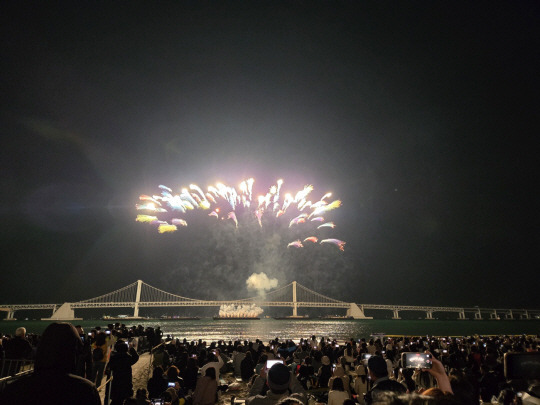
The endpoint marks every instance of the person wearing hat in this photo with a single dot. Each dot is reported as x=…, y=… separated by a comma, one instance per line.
x=378, y=372
x=281, y=384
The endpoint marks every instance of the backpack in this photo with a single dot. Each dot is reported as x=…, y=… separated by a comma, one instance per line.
x=97, y=354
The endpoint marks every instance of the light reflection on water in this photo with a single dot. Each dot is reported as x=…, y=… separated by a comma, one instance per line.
x=268, y=329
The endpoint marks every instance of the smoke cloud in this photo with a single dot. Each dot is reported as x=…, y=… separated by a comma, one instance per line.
x=261, y=282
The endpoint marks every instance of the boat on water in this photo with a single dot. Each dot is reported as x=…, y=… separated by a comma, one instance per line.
x=235, y=318
x=122, y=318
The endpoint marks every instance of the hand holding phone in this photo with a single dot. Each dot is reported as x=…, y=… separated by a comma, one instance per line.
x=416, y=360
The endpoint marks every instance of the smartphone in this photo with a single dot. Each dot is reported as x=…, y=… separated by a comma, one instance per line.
x=157, y=402
x=89, y=333
x=522, y=366
x=108, y=332
x=416, y=360
x=270, y=363
x=366, y=356
x=194, y=356
x=171, y=384
x=445, y=351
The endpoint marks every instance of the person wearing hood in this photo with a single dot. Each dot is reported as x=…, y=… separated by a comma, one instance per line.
x=53, y=381
x=123, y=357
x=281, y=383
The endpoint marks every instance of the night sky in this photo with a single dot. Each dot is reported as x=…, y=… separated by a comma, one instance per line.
x=420, y=116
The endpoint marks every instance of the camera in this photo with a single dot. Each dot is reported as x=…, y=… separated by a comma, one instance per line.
x=522, y=366
x=416, y=360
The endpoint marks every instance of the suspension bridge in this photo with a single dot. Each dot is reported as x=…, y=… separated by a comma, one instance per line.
x=139, y=295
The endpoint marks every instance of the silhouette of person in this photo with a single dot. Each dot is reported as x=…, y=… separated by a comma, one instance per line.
x=52, y=381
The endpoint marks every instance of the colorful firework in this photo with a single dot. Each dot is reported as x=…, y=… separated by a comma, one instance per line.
x=301, y=213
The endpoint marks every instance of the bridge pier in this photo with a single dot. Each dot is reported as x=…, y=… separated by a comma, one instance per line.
x=429, y=315
x=461, y=316
x=295, y=303
x=525, y=315
x=64, y=313
x=137, y=299
x=478, y=315
x=10, y=315
x=396, y=314
x=357, y=312
x=509, y=315
x=494, y=316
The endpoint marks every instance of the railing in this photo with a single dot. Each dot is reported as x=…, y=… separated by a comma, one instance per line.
x=107, y=387
x=12, y=370
x=11, y=367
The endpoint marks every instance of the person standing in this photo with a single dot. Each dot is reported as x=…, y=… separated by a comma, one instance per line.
x=123, y=357
x=100, y=354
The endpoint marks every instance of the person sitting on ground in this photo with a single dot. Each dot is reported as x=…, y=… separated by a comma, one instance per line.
x=306, y=373
x=141, y=397
x=281, y=384
x=261, y=364
x=325, y=372
x=157, y=383
x=173, y=375
x=247, y=367
x=206, y=390
x=378, y=373
x=337, y=393
x=170, y=397
x=238, y=355
x=52, y=381
x=190, y=374
x=339, y=373
x=215, y=361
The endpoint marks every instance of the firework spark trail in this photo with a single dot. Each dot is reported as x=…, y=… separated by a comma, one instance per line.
x=270, y=205
x=337, y=242
x=296, y=244
x=328, y=225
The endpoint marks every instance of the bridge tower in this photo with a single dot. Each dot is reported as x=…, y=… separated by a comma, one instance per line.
x=295, y=304
x=137, y=299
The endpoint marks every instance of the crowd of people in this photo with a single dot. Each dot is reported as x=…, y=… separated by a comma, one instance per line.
x=70, y=363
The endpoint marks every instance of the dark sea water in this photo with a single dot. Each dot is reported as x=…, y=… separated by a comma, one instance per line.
x=267, y=329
